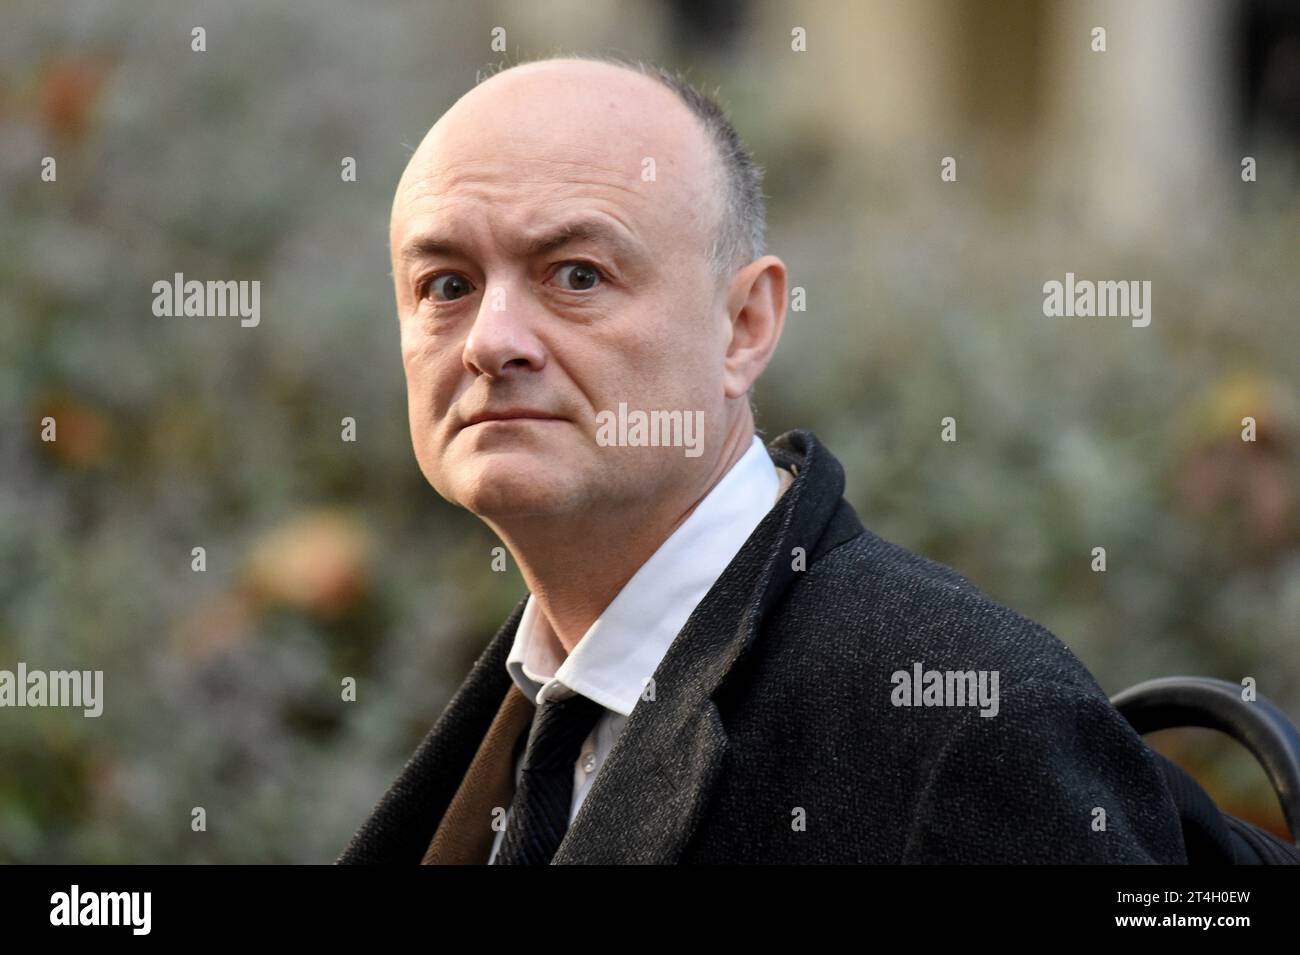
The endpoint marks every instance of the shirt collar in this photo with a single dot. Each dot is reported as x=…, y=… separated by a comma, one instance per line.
x=622, y=649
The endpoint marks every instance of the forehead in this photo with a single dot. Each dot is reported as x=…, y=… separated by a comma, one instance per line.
x=537, y=145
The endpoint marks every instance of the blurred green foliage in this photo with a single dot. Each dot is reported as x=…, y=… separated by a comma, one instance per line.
x=328, y=559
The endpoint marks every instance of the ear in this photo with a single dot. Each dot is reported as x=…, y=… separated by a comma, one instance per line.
x=756, y=308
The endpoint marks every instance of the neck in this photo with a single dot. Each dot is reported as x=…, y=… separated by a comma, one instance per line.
x=574, y=568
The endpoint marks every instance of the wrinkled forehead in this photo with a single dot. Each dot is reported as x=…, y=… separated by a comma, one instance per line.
x=525, y=147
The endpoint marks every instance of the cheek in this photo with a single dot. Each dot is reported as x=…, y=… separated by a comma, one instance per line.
x=431, y=376
x=681, y=363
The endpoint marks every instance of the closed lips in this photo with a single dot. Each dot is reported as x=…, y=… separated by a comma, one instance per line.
x=510, y=414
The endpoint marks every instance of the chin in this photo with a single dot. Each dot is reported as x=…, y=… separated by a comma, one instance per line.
x=512, y=482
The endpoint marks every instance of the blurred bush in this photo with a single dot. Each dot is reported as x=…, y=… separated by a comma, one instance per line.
x=327, y=559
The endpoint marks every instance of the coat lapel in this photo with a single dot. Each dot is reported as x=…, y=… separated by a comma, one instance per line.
x=648, y=796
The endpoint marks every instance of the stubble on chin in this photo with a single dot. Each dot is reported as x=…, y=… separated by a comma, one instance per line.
x=504, y=487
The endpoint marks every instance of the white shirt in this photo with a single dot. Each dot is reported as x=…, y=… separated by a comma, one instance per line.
x=616, y=657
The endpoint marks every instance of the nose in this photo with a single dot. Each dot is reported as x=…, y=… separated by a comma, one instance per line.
x=502, y=341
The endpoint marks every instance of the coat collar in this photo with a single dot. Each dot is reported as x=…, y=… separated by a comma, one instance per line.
x=649, y=793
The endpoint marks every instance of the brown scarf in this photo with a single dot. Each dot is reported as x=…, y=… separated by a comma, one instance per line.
x=465, y=835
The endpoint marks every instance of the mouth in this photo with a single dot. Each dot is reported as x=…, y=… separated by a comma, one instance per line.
x=509, y=416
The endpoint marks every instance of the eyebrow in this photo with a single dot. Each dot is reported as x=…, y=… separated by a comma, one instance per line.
x=580, y=230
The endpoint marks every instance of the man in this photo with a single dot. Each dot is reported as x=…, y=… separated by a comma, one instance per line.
x=715, y=661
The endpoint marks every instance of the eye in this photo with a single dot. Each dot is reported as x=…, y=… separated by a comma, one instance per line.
x=578, y=276
x=446, y=287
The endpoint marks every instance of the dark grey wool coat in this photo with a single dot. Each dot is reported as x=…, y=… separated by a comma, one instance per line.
x=773, y=735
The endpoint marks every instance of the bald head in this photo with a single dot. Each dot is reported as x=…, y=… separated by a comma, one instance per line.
x=654, y=114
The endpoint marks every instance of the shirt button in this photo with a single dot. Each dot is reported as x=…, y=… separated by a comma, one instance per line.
x=589, y=763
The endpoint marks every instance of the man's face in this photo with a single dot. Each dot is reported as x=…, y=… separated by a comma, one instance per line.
x=550, y=240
